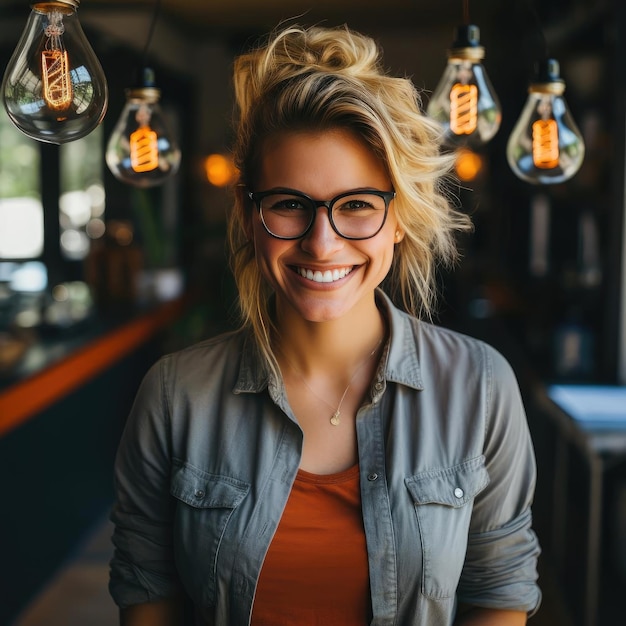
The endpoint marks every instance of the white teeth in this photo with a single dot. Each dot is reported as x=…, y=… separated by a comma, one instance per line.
x=328, y=276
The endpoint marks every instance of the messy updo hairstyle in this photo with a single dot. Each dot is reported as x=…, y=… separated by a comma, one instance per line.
x=316, y=79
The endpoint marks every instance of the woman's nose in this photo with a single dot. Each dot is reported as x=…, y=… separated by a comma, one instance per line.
x=321, y=240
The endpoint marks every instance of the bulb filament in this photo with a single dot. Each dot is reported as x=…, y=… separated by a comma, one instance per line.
x=463, y=109
x=55, y=67
x=144, y=151
x=545, y=144
x=144, y=147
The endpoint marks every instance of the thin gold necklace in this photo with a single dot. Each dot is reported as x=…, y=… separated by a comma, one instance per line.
x=335, y=418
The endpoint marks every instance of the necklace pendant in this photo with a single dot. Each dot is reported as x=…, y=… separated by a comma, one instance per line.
x=334, y=420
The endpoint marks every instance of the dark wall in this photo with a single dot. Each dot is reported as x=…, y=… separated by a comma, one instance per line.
x=57, y=478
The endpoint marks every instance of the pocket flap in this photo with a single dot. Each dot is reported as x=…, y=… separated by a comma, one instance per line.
x=450, y=486
x=202, y=490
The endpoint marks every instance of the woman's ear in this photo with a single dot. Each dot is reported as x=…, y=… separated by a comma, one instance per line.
x=399, y=235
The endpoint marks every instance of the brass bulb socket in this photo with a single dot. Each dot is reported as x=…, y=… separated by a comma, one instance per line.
x=144, y=94
x=62, y=5
x=555, y=88
x=472, y=53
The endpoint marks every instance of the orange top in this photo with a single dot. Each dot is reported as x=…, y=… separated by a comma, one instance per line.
x=316, y=569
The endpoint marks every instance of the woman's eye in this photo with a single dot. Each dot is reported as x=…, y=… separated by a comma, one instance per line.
x=291, y=204
x=355, y=205
x=286, y=205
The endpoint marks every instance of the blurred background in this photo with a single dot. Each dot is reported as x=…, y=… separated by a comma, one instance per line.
x=101, y=275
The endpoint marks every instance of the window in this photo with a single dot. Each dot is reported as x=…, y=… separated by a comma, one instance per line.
x=21, y=210
x=82, y=197
x=81, y=201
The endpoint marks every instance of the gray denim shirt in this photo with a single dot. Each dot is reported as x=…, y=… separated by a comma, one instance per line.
x=447, y=473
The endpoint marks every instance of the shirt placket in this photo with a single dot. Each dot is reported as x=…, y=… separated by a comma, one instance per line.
x=377, y=512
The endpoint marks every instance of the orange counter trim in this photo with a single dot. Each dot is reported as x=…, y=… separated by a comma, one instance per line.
x=30, y=396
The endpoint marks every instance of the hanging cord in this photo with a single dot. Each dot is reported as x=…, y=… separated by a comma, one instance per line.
x=466, y=15
x=541, y=36
x=155, y=17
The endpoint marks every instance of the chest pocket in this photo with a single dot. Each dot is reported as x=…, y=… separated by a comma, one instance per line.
x=443, y=500
x=204, y=504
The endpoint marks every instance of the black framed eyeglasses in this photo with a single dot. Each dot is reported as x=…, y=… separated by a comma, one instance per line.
x=355, y=214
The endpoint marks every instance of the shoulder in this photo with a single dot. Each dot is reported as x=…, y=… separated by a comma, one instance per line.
x=454, y=360
x=470, y=362
x=440, y=355
x=430, y=340
x=220, y=347
x=202, y=362
x=472, y=370
x=443, y=342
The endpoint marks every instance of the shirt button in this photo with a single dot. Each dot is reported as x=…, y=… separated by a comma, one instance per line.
x=459, y=493
x=372, y=477
x=199, y=494
x=378, y=386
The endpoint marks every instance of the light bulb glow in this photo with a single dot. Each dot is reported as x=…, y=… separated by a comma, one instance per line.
x=546, y=146
x=54, y=89
x=220, y=170
x=464, y=102
x=142, y=150
x=468, y=164
x=144, y=147
x=463, y=109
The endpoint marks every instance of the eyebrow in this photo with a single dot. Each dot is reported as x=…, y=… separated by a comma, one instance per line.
x=302, y=193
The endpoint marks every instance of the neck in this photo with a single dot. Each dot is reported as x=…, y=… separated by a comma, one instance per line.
x=343, y=342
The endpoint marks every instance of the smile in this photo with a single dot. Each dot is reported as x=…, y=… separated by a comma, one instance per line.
x=329, y=276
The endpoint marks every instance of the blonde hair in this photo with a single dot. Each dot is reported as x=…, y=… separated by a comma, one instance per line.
x=323, y=78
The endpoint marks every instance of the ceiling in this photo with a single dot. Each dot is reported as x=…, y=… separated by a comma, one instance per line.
x=244, y=18
x=241, y=15
x=507, y=24
x=231, y=15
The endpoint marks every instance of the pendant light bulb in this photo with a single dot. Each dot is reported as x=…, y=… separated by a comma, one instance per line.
x=142, y=151
x=546, y=146
x=464, y=102
x=54, y=89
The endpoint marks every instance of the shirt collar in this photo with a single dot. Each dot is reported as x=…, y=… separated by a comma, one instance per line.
x=254, y=374
x=401, y=361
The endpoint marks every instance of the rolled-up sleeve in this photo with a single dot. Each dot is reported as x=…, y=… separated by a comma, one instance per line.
x=500, y=569
x=142, y=567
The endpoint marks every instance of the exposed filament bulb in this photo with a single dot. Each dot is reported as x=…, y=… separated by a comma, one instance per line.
x=464, y=102
x=141, y=150
x=545, y=144
x=144, y=148
x=463, y=109
x=55, y=67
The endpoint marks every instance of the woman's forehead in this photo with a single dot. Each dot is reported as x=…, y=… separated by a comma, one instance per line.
x=335, y=157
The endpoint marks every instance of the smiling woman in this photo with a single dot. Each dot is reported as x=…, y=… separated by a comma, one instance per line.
x=336, y=460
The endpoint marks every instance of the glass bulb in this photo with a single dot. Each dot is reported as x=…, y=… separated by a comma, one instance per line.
x=142, y=150
x=546, y=146
x=54, y=89
x=464, y=101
